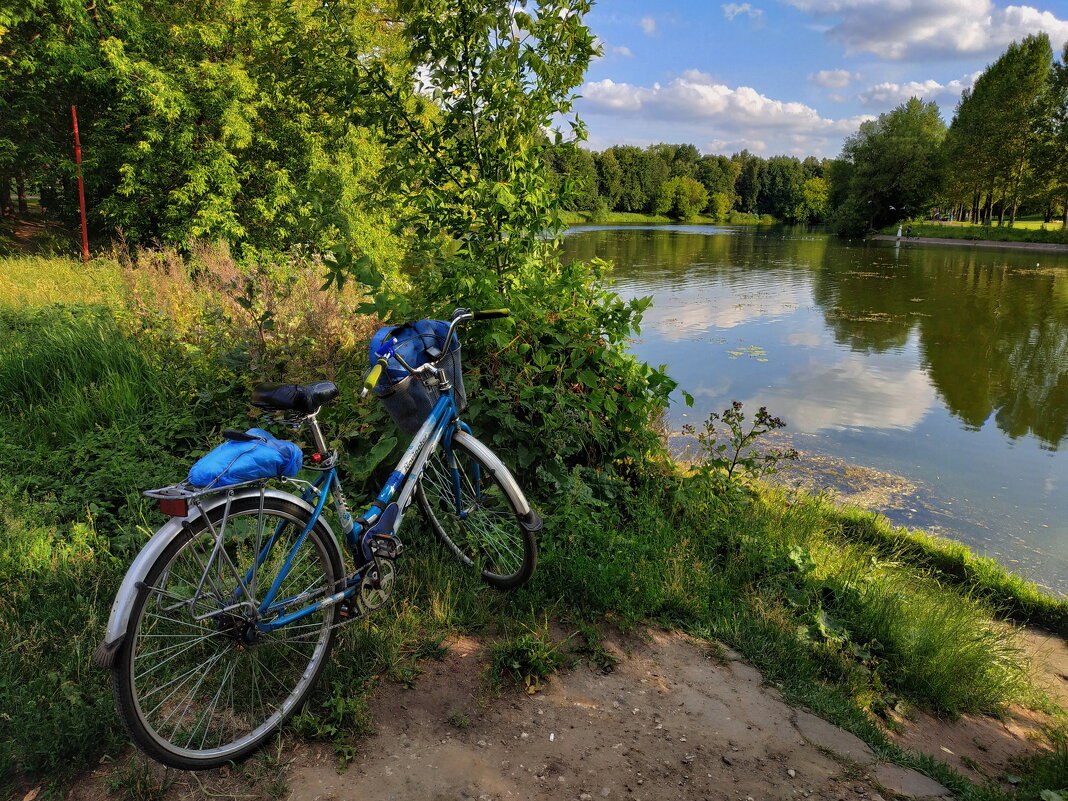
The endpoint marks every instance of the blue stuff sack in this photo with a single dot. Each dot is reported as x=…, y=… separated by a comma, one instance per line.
x=234, y=462
x=407, y=399
x=413, y=340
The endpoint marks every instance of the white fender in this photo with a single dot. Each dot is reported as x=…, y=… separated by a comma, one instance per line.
x=119, y=619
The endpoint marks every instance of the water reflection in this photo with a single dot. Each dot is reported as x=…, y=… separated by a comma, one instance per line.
x=993, y=336
x=991, y=328
x=948, y=366
x=851, y=392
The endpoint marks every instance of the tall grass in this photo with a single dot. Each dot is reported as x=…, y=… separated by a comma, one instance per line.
x=58, y=578
x=919, y=636
x=31, y=281
x=65, y=370
x=1009, y=595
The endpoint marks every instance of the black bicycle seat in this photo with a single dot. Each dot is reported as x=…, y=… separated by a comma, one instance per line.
x=306, y=398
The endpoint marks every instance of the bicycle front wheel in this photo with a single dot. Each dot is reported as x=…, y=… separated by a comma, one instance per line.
x=470, y=511
x=196, y=684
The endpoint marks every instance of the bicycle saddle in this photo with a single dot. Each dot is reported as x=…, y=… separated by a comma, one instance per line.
x=305, y=398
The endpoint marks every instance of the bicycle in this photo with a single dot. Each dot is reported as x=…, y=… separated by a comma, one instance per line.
x=225, y=620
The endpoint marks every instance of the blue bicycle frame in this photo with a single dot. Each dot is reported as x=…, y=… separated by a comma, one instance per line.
x=381, y=520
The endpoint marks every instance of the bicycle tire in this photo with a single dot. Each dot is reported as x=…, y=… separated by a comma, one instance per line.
x=485, y=534
x=233, y=693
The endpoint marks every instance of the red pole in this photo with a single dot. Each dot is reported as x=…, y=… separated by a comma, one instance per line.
x=81, y=188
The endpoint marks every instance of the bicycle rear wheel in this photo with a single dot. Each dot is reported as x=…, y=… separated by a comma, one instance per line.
x=195, y=683
x=472, y=513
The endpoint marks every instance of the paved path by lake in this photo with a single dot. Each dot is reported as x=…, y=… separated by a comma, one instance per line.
x=979, y=243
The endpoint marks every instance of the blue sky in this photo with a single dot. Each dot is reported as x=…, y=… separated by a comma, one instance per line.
x=787, y=76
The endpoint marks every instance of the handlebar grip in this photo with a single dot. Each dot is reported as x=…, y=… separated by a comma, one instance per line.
x=491, y=314
x=372, y=377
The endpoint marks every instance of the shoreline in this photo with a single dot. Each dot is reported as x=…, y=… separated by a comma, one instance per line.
x=1048, y=247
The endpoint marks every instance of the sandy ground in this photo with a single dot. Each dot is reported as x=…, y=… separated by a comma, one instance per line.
x=674, y=720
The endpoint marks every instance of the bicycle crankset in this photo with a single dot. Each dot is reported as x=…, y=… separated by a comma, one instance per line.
x=377, y=583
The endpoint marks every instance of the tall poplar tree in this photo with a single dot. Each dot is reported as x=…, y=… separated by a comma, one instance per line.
x=997, y=122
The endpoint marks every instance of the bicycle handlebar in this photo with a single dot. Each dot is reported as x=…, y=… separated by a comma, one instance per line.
x=458, y=316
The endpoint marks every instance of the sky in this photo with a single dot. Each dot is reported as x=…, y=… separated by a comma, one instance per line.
x=793, y=77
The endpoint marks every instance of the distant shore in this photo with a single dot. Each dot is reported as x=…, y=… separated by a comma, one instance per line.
x=980, y=243
x=624, y=217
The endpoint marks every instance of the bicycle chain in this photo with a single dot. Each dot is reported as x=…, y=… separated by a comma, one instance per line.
x=357, y=610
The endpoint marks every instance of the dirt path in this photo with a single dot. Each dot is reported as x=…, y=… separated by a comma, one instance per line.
x=671, y=721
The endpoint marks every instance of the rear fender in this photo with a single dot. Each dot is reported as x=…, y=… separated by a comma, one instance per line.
x=119, y=619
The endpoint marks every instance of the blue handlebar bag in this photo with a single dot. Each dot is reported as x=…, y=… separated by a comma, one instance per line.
x=413, y=341
x=234, y=462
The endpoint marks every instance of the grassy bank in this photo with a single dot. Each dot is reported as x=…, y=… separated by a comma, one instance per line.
x=615, y=217
x=1025, y=231
x=116, y=379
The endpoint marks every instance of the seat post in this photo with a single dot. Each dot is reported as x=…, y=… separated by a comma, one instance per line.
x=313, y=423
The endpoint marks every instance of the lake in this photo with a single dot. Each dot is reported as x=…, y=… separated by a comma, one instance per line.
x=940, y=371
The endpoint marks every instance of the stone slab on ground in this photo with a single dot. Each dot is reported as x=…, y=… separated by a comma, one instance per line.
x=904, y=781
x=826, y=735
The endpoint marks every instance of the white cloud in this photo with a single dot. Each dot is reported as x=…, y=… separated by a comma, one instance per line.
x=832, y=79
x=732, y=10
x=852, y=392
x=888, y=95
x=648, y=25
x=721, y=115
x=614, y=50
x=919, y=29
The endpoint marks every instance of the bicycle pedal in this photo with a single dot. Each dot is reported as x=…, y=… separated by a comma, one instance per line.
x=387, y=546
x=349, y=610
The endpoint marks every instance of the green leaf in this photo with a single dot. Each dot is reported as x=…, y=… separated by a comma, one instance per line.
x=362, y=467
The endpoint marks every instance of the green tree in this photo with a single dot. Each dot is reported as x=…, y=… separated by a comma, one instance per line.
x=634, y=178
x=464, y=121
x=718, y=175
x=201, y=119
x=574, y=175
x=812, y=203
x=1049, y=151
x=681, y=198
x=720, y=205
x=780, y=194
x=992, y=137
x=609, y=179
x=896, y=167
x=750, y=181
